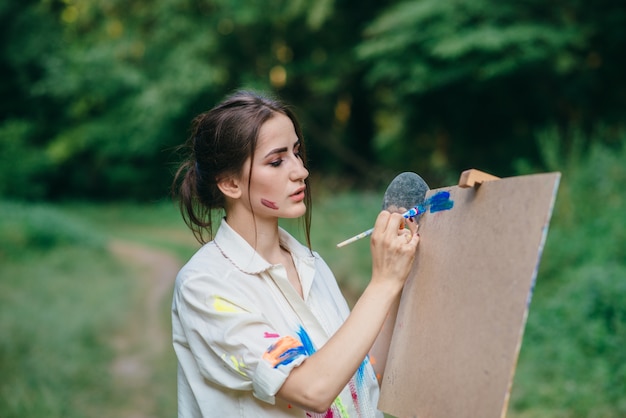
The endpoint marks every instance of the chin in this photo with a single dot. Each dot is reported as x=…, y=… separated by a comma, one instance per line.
x=294, y=214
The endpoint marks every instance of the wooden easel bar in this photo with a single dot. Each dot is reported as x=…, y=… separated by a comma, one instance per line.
x=474, y=178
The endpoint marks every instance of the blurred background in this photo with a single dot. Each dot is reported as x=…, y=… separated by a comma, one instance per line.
x=95, y=96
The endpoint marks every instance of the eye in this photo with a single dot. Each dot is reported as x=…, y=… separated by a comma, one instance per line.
x=276, y=163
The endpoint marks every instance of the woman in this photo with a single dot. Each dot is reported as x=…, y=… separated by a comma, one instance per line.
x=260, y=327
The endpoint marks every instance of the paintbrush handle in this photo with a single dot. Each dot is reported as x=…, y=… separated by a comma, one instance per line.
x=356, y=238
x=411, y=213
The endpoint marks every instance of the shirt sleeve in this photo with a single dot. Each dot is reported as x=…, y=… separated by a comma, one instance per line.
x=233, y=344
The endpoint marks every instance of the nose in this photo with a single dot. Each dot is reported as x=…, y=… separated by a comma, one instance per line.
x=299, y=173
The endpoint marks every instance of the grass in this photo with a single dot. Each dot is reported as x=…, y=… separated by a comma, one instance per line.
x=64, y=300
x=157, y=224
x=57, y=312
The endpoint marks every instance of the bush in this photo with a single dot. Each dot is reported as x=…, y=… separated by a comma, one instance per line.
x=573, y=362
x=23, y=168
x=30, y=226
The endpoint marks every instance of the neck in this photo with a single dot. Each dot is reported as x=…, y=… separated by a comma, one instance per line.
x=261, y=234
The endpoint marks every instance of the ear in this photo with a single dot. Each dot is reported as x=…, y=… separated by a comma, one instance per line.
x=230, y=187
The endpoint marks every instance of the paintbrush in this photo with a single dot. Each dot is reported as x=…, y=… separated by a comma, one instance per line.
x=406, y=190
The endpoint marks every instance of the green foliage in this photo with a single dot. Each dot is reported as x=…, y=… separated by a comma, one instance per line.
x=425, y=45
x=157, y=224
x=118, y=83
x=29, y=227
x=22, y=168
x=590, y=205
x=466, y=84
x=97, y=94
x=572, y=361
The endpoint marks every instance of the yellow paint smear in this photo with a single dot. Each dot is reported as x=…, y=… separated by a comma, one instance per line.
x=222, y=305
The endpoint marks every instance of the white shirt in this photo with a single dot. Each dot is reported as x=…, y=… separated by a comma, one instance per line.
x=239, y=328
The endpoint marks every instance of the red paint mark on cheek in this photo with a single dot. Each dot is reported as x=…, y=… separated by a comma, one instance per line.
x=269, y=204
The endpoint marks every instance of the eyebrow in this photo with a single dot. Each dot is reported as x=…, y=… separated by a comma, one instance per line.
x=281, y=150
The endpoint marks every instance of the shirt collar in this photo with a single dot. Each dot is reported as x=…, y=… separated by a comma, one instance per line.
x=246, y=259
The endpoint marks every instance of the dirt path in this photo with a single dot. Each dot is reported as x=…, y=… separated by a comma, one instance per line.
x=144, y=339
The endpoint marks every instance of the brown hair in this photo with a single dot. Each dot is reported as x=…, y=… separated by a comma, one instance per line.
x=221, y=141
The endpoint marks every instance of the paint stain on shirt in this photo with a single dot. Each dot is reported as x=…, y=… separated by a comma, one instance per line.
x=288, y=348
x=284, y=351
x=238, y=365
x=222, y=305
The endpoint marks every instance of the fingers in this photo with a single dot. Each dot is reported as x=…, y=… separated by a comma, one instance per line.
x=393, y=245
x=413, y=226
x=410, y=223
x=381, y=221
x=410, y=236
x=393, y=226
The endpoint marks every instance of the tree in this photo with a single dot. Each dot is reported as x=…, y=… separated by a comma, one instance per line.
x=124, y=79
x=27, y=118
x=468, y=83
x=98, y=93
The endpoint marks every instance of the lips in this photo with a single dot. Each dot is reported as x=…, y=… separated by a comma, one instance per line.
x=298, y=195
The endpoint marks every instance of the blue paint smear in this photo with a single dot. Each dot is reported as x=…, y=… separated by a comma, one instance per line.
x=439, y=202
x=360, y=373
x=306, y=349
x=290, y=355
x=309, y=349
x=307, y=344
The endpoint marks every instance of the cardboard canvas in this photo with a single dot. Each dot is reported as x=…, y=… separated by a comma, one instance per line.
x=463, y=311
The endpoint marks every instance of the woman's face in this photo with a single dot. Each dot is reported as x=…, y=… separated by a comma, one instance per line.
x=277, y=186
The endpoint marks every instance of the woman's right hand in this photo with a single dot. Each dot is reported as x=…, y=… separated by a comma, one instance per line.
x=393, y=245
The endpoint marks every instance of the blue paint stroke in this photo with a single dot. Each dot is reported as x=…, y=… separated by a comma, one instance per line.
x=439, y=202
x=307, y=344
x=305, y=348
x=290, y=355
x=436, y=203
x=360, y=373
